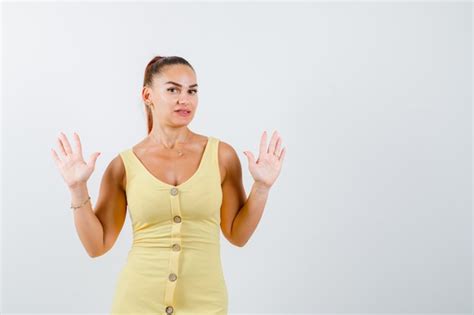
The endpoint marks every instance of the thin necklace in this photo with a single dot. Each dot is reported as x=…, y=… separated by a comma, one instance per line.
x=180, y=152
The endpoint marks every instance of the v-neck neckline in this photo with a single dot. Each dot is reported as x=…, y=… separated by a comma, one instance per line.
x=201, y=162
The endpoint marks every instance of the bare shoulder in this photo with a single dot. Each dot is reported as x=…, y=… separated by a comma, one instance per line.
x=116, y=169
x=228, y=158
x=226, y=151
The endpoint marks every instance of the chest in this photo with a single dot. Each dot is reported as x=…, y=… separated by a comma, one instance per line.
x=172, y=169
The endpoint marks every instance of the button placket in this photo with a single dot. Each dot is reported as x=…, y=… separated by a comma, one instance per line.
x=175, y=249
x=169, y=310
x=172, y=277
x=174, y=191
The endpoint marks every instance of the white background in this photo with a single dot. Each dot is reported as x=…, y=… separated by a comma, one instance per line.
x=372, y=210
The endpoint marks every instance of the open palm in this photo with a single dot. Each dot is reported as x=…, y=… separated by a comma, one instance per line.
x=71, y=164
x=267, y=167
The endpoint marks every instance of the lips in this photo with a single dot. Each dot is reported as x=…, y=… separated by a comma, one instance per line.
x=183, y=112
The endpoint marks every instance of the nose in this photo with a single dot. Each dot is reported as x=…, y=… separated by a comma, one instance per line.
x=184, y=100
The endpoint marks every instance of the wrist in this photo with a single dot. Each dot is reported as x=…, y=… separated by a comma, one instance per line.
x=79, y=187
x=79, y=196
x=79, y=192
x=261, y=186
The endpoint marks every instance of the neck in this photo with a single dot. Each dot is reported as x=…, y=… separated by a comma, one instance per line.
x=170, y=140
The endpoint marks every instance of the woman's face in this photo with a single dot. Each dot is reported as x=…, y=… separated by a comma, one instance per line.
x=175, y=88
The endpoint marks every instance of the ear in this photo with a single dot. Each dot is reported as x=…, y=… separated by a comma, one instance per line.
x=146, y=94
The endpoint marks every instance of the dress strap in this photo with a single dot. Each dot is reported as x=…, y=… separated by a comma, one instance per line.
x=214, y=159
x=128, y=164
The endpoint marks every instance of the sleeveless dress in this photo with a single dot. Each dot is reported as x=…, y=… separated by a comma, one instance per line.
x=174, y=264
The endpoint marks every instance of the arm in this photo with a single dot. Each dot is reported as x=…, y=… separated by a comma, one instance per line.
x=233, y=192
x=98, y=229
x=239, y=215
x=249, y=215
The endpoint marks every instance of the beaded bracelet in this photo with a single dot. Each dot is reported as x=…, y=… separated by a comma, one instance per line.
x=72, y=207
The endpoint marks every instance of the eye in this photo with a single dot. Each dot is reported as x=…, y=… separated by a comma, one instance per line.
x=195, y=91
x=171, y=89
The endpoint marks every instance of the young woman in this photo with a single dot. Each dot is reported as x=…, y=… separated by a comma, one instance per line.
x=181, y=189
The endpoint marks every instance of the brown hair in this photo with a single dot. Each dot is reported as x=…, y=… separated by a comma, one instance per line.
x=155, y=66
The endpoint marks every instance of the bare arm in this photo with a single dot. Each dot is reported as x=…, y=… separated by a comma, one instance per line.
x=233, y=191
x=240, y=215
x=98, y=229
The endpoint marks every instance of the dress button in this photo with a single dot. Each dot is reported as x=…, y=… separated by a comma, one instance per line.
x=177, y=219
x=174, y=191
x=172, y=277
x=169, y=310
x=176, y=247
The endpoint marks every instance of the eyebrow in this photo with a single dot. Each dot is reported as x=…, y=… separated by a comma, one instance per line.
x=192, y=85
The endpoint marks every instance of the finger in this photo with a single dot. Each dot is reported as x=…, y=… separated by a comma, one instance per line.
x=282, y=155
x=78, y=144
x=67, y=145
x=61, y=148
x=277, y=148
x=263, y=144
x=273, y=140
x=93, y=158
x=250, y=157
x=56, y=158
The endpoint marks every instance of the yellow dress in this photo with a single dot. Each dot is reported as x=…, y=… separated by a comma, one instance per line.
x=174, y=264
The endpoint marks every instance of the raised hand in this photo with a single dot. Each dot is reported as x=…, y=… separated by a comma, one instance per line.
x=74, y=170
x=266, y=168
